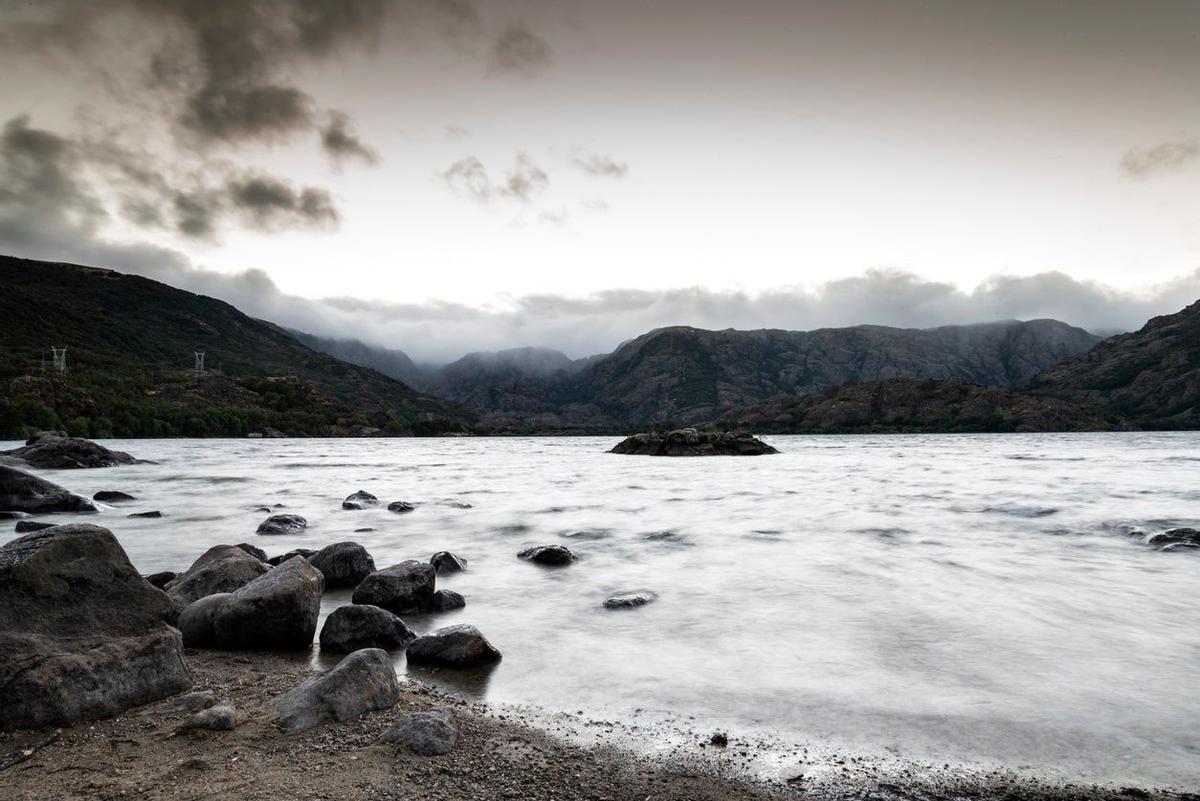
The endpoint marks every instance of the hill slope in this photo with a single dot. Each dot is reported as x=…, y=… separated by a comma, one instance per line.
x=130, y=342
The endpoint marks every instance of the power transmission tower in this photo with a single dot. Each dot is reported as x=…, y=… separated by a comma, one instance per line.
x=199, y=361
x=60, y=358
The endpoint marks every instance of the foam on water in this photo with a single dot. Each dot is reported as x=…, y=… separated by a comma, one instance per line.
x=959, y=598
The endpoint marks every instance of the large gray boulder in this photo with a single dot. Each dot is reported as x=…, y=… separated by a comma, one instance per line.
x=453, y=646
x=362, y=682
x=402, y=589
x=222, y=568
x=344, y=564
x=357, y=626
x=49, y=450
x=22, y=492
x=276, y=611
x=82, y=635
x=429, y=733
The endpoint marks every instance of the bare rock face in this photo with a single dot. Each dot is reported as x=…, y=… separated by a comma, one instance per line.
x=358, y=626
x=362, y=682
x=276, y=611
x=453, y=646
x=49, y=450
x=82, y=634
x=222, y=568
x=402, y=589
x=690, y=442
x=344, y=564
x=22, y=492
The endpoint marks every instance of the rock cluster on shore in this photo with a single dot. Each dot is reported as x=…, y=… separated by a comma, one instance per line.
x=691, y=442
x=54, y=450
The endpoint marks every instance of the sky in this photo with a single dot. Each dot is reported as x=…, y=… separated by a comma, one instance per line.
x=441, y=176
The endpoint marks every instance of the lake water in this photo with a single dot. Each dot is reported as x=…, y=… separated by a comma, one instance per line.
x=972, y=599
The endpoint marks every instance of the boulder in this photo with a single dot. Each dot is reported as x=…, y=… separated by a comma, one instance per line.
x=454, y=646
x=253, y=550
x=48, y=450
x=222, y=568
x=630, y=600
x=690, y=442
x=155, y=513
x=362, y=682
x=357, y=626
x=445, y=563
x=360, y=500
x=1171, y=538
x=551, y=555
x=82, y=635
x=281, y=525
x=401, y=589
x=6, y=515
x=344, y=564
x=400, y=507
x=112, y=496
x=445, y=600
x=215, y=718
x=21, y=492
x=161, y=579
x=26, y=526
x=275, y=561
x=429, y=733
x=276, y=611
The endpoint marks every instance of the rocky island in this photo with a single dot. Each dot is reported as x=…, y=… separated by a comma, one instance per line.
x=692, y=442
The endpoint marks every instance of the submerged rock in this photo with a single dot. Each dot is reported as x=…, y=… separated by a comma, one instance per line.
x=423, y=733
x=358, y=626
x=344, y=564
x=26, y=526
x=630, y=600
x=552, y=555
x=155, y=513
x=281, y=525
x=401, y=589
x=1171, y=538
x=690, y=442
x=112, y=496
x=22, y=492
x=400, y=507
x=82, y=635
x=276, y=611
x=222, y=568
x=275, y=561
x=362, y=682
x=445, y=563
x=360, y=500
x=7, y=515
x=49, y=450
x=454, y=646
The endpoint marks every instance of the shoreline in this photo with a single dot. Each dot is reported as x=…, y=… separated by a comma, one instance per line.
x=501, y=753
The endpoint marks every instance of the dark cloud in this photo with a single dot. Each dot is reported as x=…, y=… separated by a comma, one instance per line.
x=598, y=164
x=468, y=178
x=271, y=204
x=1164, y=157
x=341, y=142
x=520, y=50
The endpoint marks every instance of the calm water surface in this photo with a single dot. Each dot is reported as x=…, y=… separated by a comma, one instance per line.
x=967, y=598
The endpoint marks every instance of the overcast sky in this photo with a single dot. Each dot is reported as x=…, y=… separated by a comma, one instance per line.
x=460, y=175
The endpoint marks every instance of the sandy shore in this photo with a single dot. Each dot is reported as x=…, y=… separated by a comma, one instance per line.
x=498, y=756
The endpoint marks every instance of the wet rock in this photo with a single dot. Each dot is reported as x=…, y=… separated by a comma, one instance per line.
x=112, y=496
x=360, y=500
x=551, y=555
x=423, y=733
x=445, y=563
x=1171, y=538
x=275, y=561
x=445, y=600
x=454, y=646
x=162, y=578
x=630, y=600
x=719, y=739
x=400, y=507
x=362, y=682
x=690, y=442
x=6, y=515
x=50, y=451
x=264, y=509
x=344, y=564
x=282, y=525
x=401, y=589
x=217, y=718
x=253, y=550
x=363, y=530
x=155, y=513
x=82, y=635
x=351, y=628
x=21, y=492
x=222, y=568
x=26, y=526
x=276, y=611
